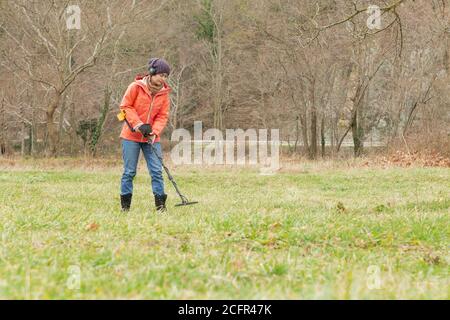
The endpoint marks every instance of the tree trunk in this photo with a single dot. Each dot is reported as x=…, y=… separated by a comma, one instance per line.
x=322, y=135
x=313, y=124
x=313, y=134
x=297, y=134
x=358, y=122
x=304, y=132
x=33, y=128
x=3, y=125
x=52, y=133
x=333, y=136
x=218, y=113
x=218, y=78
x=358, y=134
x=95, y=139
x=22, y=136
x=62, y=111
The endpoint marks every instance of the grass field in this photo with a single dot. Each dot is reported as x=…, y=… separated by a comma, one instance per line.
x=311, y=233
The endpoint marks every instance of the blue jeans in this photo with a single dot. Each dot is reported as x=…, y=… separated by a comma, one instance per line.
x=130, y=154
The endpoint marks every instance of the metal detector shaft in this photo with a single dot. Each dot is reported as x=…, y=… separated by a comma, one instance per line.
x=184, y=200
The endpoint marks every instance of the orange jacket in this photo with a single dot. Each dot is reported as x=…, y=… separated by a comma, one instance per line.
x=141, y=107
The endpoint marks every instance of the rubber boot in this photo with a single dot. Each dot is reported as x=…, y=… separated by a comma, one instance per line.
x=160, y=202
x=125, y=201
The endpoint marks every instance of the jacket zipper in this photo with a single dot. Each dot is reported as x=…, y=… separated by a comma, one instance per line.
x=151, y=108
x=149, y=112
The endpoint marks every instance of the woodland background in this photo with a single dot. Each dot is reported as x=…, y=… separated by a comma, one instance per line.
x=313, y=69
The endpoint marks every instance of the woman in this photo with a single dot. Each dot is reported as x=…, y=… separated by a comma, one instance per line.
x=146, y=104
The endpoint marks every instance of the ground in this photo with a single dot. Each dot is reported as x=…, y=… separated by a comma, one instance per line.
x=309, y=232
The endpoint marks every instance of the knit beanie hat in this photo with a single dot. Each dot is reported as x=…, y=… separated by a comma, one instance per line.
x=158, y=65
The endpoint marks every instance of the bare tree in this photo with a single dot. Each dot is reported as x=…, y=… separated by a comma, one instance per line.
x=53, y=56
x=315, y=69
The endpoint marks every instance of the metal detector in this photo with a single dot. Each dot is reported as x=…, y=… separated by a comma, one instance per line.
x=184, y=201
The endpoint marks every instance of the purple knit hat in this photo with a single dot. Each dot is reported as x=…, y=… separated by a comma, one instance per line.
x=158, y=65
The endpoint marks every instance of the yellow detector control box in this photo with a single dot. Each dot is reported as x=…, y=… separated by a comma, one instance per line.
x=121, y=115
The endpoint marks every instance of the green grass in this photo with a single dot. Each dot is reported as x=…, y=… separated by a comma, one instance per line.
x=327, y=233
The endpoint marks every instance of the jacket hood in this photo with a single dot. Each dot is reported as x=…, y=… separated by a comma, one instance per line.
x=139, y=80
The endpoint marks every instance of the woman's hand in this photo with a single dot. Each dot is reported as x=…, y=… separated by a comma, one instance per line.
x=152, y=137
x=145, y=129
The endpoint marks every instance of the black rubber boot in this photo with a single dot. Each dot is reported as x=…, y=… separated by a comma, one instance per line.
x=125, y=201
x=160, y=202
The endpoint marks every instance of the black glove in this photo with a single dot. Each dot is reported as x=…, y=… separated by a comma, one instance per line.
x=145, y=129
